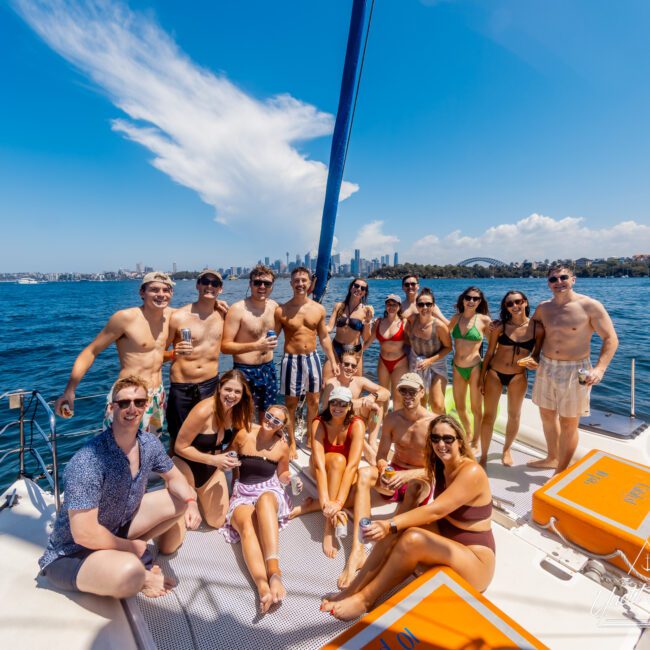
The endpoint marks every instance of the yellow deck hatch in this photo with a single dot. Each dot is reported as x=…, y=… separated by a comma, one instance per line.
x=601, y=503
x=440, y=611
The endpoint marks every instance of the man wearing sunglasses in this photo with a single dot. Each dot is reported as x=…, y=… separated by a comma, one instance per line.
x=246, y=337
x=302, y=320
x=99, y=541
x=140, y=335
x=411, y=287
x=569, y=320
x=195, y=364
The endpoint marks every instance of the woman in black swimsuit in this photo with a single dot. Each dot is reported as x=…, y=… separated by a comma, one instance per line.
x=453, y=530
x=512, y=342
x=202, y=442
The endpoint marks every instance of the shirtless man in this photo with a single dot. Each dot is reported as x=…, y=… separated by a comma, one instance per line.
x=370, y=407
x=245, y=336
x=302, y=320
x=411, y=287
x=195, y=369
x=406, y=429
x=569, y=320
x=140, y=334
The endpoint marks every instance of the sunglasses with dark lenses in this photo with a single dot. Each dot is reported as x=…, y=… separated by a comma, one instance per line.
x=472, y=298
x=392, y=303
x=410, y=284
x=263, y=283
x=339, y=403
x=271, y=419
x=555, y=278
x=420, y=304
x=515, y=302
x=448, y=440
x=410, y=392
x=359, y=286
x=349, y=364
x=139, y=403
x=206, y=282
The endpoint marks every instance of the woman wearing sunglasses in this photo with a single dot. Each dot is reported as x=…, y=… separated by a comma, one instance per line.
x=351, y=319
x=468, y=327
x=338, y=437
x=259, y=505
x=430, y=345
x=513, y=346
x=453, y=530
x=201, y=448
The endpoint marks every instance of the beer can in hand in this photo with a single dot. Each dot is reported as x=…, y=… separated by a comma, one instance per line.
x=364, y=524
x=296, y=485
x=270, y=333
x=186, y=334
x=583, y=373
x=389, y=472
x=232, y=454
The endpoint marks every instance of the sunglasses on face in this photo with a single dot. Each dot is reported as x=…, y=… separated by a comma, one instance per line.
x=349, y=364
x=447, y=439
x=555, y=278
x=263, y=283
x=206, y=282
x=361, y=287
x=139, y=403
x=410, y=284
x=515, y=302
x=408, y=392
x=420, y=304
x=338, y=403
x=472, y=298
x=272, y=420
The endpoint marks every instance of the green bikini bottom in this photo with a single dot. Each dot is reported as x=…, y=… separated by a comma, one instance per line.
x=466, y=373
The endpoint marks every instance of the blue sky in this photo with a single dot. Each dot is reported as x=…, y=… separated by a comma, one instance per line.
x=155, y=131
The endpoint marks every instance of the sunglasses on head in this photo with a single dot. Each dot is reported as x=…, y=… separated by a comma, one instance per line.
x=212, y=283
x=419, y=303
x=263, y=283
x=139, y=403
x=338, y=403
x=271, y=419
x=515, y=301
x=349, y=364
x=359, y=286
x=410, y=284
x=556, y=278
x=447, y=439
x=472, y=298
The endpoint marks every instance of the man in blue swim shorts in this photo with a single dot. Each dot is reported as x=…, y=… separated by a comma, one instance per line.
x=302, y=320
x=246, y=337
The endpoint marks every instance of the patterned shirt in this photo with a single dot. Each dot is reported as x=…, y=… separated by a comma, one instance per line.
x=99, y=476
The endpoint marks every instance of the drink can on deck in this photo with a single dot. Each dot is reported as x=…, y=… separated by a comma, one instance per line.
x=364, y=524
x=186, y=334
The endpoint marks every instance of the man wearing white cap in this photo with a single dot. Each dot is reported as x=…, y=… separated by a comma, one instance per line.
x=406, y=430
x=140, y=335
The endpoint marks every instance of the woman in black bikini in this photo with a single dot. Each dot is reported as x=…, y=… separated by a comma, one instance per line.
x=351, y=319
x=453, y=530
x=201, y=444
x=260, y=506
x=510, y=343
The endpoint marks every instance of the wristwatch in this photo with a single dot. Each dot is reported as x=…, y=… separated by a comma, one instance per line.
x=393, y=528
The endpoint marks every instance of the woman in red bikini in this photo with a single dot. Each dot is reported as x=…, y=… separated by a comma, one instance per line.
x=453, y=530
x=338, y=442
x=393, y=360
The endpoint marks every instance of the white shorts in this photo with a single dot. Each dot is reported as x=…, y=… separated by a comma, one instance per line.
x=557, y=387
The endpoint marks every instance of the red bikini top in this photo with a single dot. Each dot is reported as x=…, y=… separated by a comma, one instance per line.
x=343, y=449
x=398, y=336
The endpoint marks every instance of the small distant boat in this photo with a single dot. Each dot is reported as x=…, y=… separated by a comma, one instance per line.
x=233, y=277
x=29, y=281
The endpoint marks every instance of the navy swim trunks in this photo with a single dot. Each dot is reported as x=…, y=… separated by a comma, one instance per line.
x=262, y=382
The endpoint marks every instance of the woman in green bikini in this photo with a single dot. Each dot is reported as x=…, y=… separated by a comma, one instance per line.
x=467, y=328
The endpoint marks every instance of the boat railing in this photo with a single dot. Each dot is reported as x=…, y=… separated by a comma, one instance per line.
x=36, y=424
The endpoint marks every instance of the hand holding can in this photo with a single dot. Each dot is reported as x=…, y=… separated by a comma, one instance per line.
x=296, y=485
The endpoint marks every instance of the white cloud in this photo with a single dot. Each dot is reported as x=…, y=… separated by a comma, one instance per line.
x=373, y=242
x=235, y=151
x=536, y=237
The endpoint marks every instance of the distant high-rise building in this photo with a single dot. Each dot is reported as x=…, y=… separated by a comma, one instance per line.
x=308, y=259
x=298, y=261
x=138, y=267
x=395, y=259
x=357, y=262
x=148, y=269
x=267, y=261
x=173, y=267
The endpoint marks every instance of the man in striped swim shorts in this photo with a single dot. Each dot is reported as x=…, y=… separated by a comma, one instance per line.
x=303, y=321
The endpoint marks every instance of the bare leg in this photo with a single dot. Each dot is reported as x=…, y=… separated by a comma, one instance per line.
x=516, y=393
x=437, y=394
x=551, y=426
x=568, y=441
x=111, y=573
x=476, y=402
x=266, y=510
x=384, y=379
x=334, y=468
x=312, y=412
x=242, y=522
x=415, y=545
x=460, y=397
x=327, y=371
x=292, y=403
x=492, y=393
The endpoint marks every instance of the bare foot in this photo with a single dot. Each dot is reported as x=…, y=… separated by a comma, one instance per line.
x=266, y=597
x=350, y=608
x=356, y=560
x=156, y=584
x=278, y=592
x=543, y=463
x=293, y=454
x=483, y=461
x=328, y=542
x=506, y=459
x=308, y=505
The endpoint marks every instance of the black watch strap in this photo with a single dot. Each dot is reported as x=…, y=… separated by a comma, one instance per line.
x=393, y=527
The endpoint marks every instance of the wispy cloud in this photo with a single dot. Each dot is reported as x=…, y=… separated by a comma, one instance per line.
x=373, y=242
x=236, y=151
x=536, y=237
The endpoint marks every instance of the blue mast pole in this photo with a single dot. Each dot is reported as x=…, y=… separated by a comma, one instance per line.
x=339, y=143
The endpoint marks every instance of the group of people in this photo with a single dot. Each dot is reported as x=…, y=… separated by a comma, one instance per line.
x=416, y=456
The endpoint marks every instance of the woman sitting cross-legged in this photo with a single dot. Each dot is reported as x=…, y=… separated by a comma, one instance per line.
x=259, y=506
x=453, y=530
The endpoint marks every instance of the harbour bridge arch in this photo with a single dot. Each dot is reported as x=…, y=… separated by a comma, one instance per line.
x=488, y=260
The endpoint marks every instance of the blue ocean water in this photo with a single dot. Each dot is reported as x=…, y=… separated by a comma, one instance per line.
x=43, y=327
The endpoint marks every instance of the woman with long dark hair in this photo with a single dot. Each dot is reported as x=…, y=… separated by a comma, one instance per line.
x=350, y=320
x=201, y=447
x=453, y=530
x=511, y=345
x=467, y=328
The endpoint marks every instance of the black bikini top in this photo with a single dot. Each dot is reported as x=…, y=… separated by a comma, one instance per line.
x=256, y=469
x=207, y=442
x=353, y=323
x=517, y=346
